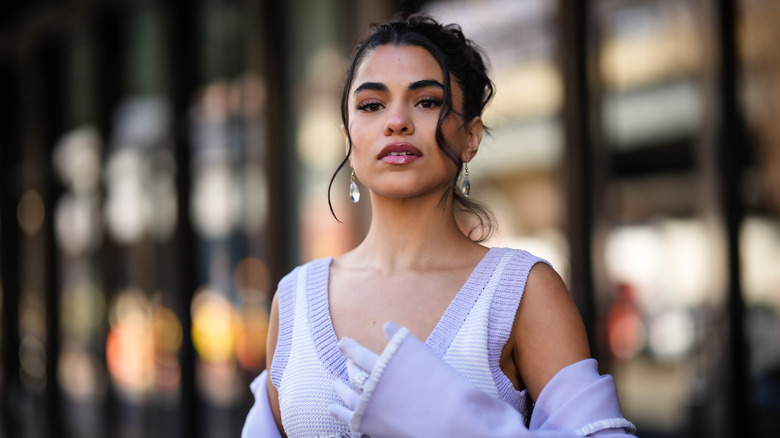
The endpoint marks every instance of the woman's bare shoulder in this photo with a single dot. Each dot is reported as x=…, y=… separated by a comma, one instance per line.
x=548, y=333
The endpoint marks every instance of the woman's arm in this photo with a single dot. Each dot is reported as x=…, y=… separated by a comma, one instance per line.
x=264, y=419
x=273, y=335
x=548, y=333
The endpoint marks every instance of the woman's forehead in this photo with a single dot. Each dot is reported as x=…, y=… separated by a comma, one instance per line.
x=398, y=63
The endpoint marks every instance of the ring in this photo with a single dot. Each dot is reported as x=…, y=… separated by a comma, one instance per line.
x=358, y=380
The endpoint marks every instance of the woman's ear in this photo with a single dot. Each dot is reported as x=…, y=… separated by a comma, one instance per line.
x=473, y=139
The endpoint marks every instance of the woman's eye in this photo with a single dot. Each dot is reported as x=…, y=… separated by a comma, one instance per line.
x=370, y=106
x=429, y=103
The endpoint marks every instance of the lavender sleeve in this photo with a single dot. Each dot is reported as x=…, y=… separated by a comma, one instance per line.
x=413, y=393
x=579, y=399
x=260, y=421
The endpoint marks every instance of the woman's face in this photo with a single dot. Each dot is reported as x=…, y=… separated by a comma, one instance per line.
x=394, y=108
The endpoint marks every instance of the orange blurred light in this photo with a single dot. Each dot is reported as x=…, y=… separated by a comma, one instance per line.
x=251, y=341
x=130, y=344
x=129, y=355
x=626, y=331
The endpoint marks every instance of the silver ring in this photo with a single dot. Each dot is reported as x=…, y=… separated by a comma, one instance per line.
x=358, y=380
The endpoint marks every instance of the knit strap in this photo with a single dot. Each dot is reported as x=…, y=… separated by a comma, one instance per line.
x=323, y=334
x=460, y=307
x=286, y=293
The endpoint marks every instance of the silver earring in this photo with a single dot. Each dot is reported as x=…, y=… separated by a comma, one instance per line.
x=465, y=187
x=354, y=192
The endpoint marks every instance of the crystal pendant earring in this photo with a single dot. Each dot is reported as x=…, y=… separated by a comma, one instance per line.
x=354, y=192
x=465, y=187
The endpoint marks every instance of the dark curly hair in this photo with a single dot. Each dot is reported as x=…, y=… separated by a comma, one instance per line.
x=457, y=56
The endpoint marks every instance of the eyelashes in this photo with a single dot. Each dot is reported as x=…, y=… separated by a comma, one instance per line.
x=370, y=107
x=429, y=103
x=425, y=103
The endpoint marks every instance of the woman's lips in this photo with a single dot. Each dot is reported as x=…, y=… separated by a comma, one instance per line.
x=399, y=153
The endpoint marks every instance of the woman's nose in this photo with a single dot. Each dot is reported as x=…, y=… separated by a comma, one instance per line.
x=398, y=122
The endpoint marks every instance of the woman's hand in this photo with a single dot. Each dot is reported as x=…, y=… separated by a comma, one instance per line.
x=360, y=364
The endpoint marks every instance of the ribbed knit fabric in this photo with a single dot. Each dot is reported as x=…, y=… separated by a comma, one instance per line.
x=470, y=336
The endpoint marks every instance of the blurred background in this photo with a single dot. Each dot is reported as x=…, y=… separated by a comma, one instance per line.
x=163, y=163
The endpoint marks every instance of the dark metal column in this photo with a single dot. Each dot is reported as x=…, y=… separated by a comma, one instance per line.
x=278, y=194
x=184, y=81
x=578, y=166
x=730, y=146
x=11, y=388
x=51, y=109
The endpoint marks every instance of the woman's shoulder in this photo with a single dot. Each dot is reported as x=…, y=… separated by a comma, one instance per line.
x=317, y=268
x=316, y=264
x=523, y=254
x=518, y=261
x=534, y=272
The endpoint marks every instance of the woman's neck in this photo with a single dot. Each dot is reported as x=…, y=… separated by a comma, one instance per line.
x=414, y=233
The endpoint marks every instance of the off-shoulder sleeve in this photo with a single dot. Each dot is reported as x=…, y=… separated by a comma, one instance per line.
x=578, y=398
x=260, y=420
x=413, y=393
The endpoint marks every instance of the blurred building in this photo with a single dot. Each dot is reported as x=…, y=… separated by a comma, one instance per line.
x=164, y=163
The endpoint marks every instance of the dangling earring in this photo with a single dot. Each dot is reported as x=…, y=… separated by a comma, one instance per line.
x=354, y=192
x=465, y=187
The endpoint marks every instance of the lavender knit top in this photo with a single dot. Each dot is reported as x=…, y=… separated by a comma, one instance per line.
x=470, y=336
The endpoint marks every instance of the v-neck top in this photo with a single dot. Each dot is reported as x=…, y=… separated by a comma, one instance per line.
x=469, y=336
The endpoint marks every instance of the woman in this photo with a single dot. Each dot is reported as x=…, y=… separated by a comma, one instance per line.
x=411, y=109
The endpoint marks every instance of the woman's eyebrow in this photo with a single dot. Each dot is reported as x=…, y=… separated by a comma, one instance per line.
x=416, y=85
x=375, y=86
x=425, y=83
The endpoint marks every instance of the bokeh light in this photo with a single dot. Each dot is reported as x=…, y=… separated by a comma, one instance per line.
x=215, y=325
x=626, y=332
x=142, y=347
x=253, y=281
x=77, y=160
x=81, y=374
x=32, y=361
x=130, y=345
x=215, y=206
x=125, y=197
x=167, y=331
x=77, y=223
x=160, y=207
x=30, y=212
x=83, y=311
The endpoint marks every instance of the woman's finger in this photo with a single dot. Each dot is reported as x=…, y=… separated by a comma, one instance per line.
x=340, y=412
x=363, y=357
x=350, y=397
x=390, y=329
